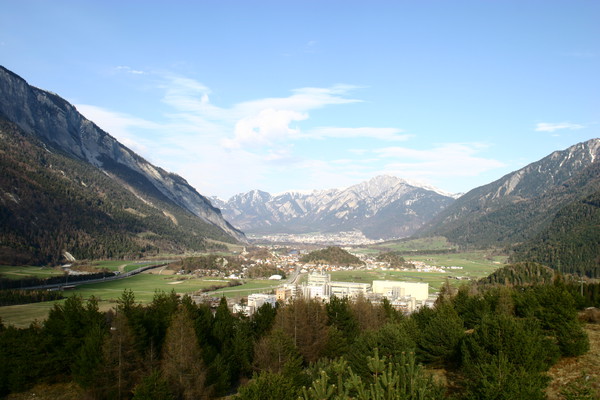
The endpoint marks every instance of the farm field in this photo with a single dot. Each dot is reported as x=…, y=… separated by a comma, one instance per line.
x=475, y=265
x=421, y=244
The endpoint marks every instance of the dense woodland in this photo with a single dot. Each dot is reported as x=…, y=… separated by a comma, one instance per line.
x=331, y=255
x=492, y=341
x=50, y=203
x=571, y=242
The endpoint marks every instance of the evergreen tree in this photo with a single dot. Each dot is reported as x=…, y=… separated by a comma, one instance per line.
x=122, y=365
x=440, y=335
x=153, y=387
x=88, y=366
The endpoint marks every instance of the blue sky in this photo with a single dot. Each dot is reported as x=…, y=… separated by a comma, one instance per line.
x=300, y=95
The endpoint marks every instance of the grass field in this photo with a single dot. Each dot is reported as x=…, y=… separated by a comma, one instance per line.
x=475, y=265
x=144, y=287
x=21, y=272
x=433, y=243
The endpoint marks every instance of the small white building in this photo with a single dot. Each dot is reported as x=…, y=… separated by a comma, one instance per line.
x=256, y=300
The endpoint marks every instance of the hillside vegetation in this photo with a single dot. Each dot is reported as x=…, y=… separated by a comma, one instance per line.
x=571, y=241
x=331, y=255
x=546, y=212
x=50, y=203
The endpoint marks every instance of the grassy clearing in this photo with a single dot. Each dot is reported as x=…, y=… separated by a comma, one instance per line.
x=56, y=391
x=582, y=370
x=12, y=272
x=249, y=287
x=23, y=315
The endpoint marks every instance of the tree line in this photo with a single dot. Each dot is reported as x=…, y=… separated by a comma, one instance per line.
x=494, y=342
x=14, y=297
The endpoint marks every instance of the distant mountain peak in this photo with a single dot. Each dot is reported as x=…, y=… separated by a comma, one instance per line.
x=382, y=207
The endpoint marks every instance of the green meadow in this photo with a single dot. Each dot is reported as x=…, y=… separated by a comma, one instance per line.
x=475, y=265
x=420, y=244
x=144, y=287
x=12, y=272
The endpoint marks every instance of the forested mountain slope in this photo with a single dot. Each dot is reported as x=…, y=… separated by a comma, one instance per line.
x=518, y=206
x=571, y=241
x=51, y=203
x=66, y=185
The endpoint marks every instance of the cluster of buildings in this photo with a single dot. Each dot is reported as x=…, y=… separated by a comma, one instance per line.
x=348, y=238
x=404, y=296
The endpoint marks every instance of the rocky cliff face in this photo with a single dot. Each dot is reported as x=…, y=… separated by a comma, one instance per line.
x=60, y=125
x=384, y=207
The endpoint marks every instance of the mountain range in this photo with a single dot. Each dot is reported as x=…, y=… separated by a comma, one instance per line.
x=382, y=208
x=67, y=185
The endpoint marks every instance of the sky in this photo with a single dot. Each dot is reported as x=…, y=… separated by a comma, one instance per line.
x=302, y=95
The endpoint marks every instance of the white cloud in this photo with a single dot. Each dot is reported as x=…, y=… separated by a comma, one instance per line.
x=247, y=145
x=256, y=123
x=268, y=126
x=551, y=127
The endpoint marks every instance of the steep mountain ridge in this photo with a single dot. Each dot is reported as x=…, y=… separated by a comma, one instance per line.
x=519, y=205
x=383, y=207
x=57, y=123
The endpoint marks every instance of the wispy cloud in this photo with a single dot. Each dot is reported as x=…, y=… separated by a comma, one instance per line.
x=245, y=142
x=391, y=134
x=256, y=123
x=129, y=70
x=551, y=127
x=258, y=143
x=442, y=161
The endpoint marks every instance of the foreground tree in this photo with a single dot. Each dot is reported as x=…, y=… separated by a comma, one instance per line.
x=182, y=364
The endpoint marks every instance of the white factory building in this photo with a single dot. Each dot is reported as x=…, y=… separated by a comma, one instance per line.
x=397, y=289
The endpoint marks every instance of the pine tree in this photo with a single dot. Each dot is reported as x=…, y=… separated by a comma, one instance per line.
x=122, y=366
